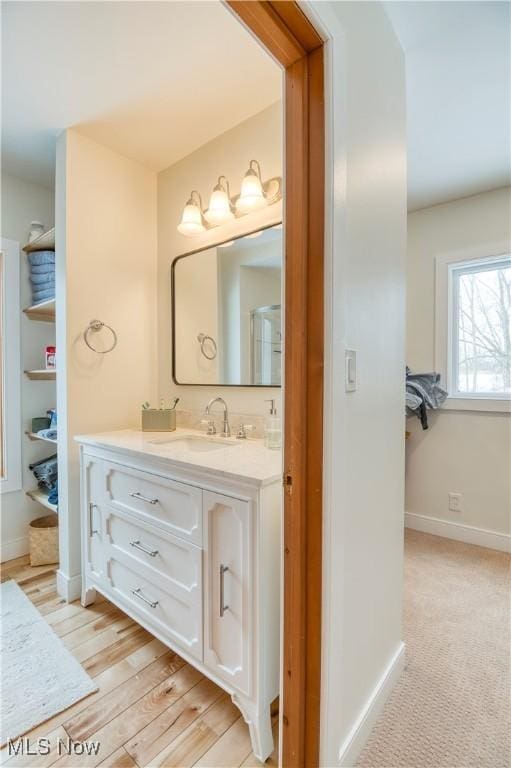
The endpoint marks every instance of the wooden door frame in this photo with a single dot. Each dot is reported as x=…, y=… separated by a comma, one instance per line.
x=286, y=33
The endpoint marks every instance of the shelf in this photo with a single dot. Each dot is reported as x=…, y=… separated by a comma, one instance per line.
x=42, y=498
x=42, y=375
x=35, y=436
x=45, y=311
x=45, y=242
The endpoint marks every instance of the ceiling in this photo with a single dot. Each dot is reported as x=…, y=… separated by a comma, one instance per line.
x=156, y=80
x=458, y=84
x=152, y=80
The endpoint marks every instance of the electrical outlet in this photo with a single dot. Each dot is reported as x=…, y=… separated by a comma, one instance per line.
x=455, y=502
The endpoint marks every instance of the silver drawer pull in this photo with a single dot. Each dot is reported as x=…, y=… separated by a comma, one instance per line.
x=142, y=547
x=223, y=607
x=141, y=497
x=138, y=593
x=92, y=531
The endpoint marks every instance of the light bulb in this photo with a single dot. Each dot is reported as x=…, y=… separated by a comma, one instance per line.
x=219, y=207
x=191, y=221
x=251, y=196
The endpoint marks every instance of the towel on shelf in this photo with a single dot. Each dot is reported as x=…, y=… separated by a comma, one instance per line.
x=45, y=472
x=53, y=496
x=42, y=269
x=38, y=258
x=48, y=434
x=41, y=280
x=44, y=295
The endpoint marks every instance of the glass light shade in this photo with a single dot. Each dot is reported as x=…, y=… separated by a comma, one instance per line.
x=219, y=208
x=252, y=196
x=191, y=220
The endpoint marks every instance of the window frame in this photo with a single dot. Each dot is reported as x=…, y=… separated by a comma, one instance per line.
x=447, y=268
x=11, y=367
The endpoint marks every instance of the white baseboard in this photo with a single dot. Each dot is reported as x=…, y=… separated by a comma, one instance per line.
x=70, y=588
x=356, y=739
x=10, y=550
x=459, y=532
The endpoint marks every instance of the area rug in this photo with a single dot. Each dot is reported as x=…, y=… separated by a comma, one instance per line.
x=39, y=677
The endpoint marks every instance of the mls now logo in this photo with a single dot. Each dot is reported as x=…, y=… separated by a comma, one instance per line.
x=40, y=747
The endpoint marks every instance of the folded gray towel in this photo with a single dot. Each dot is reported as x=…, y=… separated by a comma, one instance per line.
x=42, y=269
x=43, y=286
x=48, y=293
x=41, y=257
x=41, y=280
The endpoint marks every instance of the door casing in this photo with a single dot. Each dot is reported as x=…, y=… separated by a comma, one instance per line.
x=286, y=33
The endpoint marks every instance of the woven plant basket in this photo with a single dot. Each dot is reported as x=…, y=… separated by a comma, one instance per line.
x=43, y=535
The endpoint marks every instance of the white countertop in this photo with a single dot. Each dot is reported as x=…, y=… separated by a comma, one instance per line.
x=236, y=459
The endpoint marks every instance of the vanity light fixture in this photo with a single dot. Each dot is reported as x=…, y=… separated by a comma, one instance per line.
x=255, y=194
x=220, y=207
x=252, y=195
x=192, y=220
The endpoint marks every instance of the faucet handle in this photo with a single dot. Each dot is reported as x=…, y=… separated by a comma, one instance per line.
x=242, y=431
x=211, y=426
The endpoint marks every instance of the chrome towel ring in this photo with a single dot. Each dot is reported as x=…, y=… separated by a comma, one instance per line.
x=94, y=327
x=202, y=338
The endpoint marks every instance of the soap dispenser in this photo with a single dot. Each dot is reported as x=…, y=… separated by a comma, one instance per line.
x=273, y=430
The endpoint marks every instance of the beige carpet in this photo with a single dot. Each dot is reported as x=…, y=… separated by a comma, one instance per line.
x=451, y=708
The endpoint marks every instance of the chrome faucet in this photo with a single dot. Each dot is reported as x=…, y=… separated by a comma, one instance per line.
x=226, y=431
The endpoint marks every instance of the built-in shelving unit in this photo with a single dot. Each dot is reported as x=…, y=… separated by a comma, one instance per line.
x=35, y=436
x=42, y=312
x=42, y=498
x=42, y=375
x=45, y=311
x=45, y=242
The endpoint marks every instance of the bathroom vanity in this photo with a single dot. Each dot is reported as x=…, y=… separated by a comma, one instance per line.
x=182, y=532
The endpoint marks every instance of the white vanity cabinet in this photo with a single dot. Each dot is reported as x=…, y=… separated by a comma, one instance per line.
x=193, y=555
x=227, y=580
x=92, y=517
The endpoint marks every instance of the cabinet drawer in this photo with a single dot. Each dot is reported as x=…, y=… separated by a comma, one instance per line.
x=169, y=557
x=167, y=608
x=173, y=506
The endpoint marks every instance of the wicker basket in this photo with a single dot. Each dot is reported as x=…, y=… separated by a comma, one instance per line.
x=43, y=535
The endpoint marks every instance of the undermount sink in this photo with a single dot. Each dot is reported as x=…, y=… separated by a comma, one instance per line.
x=194, y=443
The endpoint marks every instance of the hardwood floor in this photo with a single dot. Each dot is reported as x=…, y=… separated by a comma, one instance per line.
x=151, y=709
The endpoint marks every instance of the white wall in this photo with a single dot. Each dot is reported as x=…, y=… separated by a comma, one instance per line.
x=22, y=203
x=468, y=452
x=364, y=430
x=106, y=269
x=259, y=137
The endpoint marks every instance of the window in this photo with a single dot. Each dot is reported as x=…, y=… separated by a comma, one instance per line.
x=480, y=328
x=10, y=404
x=473, y=330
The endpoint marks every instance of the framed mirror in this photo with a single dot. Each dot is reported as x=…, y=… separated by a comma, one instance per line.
x=227, y=312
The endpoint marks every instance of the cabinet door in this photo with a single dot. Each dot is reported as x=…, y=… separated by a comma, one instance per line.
x=229, y=590
x=93, y=495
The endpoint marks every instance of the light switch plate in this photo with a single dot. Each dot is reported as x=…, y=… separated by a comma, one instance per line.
x=351, y=370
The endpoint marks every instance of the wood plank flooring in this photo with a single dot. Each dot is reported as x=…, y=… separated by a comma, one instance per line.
x=152, y=709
